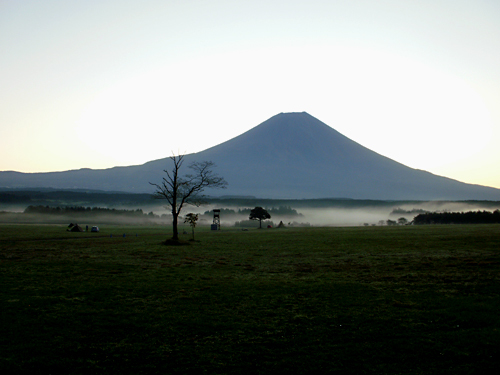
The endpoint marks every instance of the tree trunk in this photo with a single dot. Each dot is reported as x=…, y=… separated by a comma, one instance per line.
x=175, y=237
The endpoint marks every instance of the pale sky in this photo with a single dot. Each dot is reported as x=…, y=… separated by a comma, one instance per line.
x=97, y=84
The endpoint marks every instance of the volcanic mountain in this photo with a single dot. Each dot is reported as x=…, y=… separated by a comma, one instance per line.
x=291, y=155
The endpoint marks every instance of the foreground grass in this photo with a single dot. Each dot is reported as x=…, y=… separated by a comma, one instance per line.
x=412, y=300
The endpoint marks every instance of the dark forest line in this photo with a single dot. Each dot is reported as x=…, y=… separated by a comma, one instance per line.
x=470, y=217
x=44, y=197
x=88, y=211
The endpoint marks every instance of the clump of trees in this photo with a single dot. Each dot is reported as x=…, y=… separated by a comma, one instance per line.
x=400, y=221
x=470, y=217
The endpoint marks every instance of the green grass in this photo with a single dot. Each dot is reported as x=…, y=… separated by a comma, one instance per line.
x=360, y=300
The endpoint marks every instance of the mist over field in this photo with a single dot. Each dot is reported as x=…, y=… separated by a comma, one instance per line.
x=97, y=208
x=335, y=216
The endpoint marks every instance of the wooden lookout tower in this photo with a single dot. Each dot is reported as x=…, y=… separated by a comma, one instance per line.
x=216, y=223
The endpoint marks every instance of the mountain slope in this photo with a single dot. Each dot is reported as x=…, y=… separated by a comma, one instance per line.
x=294, y=155
x=291, y=155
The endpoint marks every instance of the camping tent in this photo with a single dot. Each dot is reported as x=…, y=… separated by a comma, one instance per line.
x=75, y=228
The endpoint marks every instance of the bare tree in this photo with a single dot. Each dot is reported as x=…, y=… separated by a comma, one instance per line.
x=181, y=190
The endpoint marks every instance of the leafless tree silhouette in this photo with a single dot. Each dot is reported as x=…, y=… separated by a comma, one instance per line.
x=186, y=190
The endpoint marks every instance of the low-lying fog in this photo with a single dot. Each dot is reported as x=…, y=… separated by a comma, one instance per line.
x=335, y=216
x=350, y=213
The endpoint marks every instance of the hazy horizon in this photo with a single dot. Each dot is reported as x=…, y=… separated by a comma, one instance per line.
x=103, y=84
x=307, y=215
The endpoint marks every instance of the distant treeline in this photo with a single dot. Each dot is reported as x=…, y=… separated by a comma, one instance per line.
x=471, y=217
x=414, y=211
x=14, y=198
x=279, y=211
x=65, y=197
x=87, y=211
x=53, y=197
x=265, y=223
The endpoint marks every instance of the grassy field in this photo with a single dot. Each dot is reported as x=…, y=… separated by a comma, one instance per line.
x=358, y=300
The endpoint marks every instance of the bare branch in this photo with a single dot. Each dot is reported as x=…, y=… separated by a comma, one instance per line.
x=181, y=190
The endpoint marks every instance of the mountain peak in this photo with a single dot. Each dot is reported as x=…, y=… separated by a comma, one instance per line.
x=284, y=131
x=290, y=155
